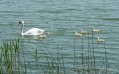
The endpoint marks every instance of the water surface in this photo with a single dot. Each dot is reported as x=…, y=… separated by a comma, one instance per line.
x=63, y=18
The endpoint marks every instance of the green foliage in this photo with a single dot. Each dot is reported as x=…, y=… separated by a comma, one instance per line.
x=9, y=54
x=10, y=61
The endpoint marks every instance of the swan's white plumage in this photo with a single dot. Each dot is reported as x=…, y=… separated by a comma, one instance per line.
x=33, y=31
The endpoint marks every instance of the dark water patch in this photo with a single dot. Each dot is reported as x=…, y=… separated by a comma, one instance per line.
x=110, y=19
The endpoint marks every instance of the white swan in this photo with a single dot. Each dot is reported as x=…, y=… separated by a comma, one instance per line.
x=33, y=31
x=83, y=32
x=95, y=30
x=78, y=34
x=100, y=40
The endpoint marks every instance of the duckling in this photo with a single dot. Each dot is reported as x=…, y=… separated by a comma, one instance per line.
x=83, y=32
x=42, y=36
x=100, y=40
x=78, y=34
x=95, y=30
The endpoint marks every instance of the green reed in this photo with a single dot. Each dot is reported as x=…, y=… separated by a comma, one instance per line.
x=88, y=60
x=10, y=56
x=10, y=61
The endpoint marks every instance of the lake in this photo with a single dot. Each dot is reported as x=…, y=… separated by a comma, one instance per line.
x=60, y=19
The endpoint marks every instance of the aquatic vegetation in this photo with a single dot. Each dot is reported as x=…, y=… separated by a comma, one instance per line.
x=12, y=60
x=10, y=51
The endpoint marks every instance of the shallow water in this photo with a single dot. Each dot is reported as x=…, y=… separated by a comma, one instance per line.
x=62, y=18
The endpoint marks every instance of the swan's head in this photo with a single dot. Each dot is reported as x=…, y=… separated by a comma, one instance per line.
x=21, y=22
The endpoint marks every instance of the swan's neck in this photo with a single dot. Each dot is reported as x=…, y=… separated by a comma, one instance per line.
x=22, y=30
x=98, y=38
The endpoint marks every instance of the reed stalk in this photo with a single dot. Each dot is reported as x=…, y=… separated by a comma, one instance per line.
x=10, y=50
x=10, y=59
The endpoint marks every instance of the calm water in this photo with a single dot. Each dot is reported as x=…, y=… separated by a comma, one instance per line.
x=63, y=18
